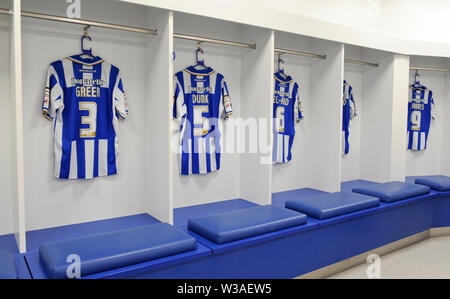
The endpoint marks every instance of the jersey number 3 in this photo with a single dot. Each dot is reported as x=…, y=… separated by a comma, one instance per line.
x=89, y=121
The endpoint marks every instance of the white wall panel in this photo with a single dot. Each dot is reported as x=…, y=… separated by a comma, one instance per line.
x=257, y=73
x=294, y=175
x=354, y=76
x=324, y=136
x=7, y=199
x=377, y=121
x=445, y=153
x=158, y=166
x=17, y=128
x=429, y=161
x=399, y=117
x=224, y=183
x=52, y=202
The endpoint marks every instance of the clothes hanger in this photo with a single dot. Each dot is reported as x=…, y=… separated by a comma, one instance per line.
x=416, y=76
x=86, y=52
x=417, y=84
x=200, y=58
x=280, y=66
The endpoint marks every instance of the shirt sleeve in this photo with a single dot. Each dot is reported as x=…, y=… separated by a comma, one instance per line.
x=53, y=97
x=298, y=109
x=120, y=99
x=433, y=108
x=179, y=107
x=353, y=111
x=226, y=101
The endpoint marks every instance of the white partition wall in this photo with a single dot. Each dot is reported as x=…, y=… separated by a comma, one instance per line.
x=247, y=73
x=52, y=202
x=296, y=173
x=17, y=114
x=257, y=104
x=324, y=136
x=399, y=125
x=158, y=157
x=383, y=118
x=6, y=148
x=434, y=159
x=12, y=220
x=445, y=164
x=223, y=184
x=353, y=74
x=377, y=132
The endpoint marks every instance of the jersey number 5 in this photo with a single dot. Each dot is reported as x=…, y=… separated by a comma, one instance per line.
x=201, y=122
x=89, y=122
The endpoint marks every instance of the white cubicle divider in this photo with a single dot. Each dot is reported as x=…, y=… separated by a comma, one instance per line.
x=315, y=145
x=6, y=122
x=158, y=115
x=399, y=124
x=223, y=184
x=324, y=137
x=383, y=120
x=445, y=164
x=353, y=74
x=51, y=202
x=247, y=73
x=435, y=159
x=12, y=199
x=378, y=132
x=18, y=129
x=257, y=79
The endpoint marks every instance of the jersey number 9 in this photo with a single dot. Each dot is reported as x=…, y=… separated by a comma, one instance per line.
x=416, y=117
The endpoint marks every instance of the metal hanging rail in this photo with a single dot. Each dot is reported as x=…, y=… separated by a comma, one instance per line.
x=213, y=41
x=423, y=68
x=35, y=15
x=298, y=53
x=361, y=62
x=126, y=28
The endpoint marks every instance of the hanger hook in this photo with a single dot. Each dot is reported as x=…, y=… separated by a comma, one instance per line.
x=86, y=33
x=199, y=48
x=279, y=56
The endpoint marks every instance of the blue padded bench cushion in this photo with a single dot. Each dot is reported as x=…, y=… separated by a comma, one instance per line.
x=117, y=249
x=7, y=265
x=393, y=191
x=436, y=182
x=332, y=204
x=245, y=223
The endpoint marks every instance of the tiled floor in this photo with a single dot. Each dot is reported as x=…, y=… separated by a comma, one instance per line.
x=427, y=259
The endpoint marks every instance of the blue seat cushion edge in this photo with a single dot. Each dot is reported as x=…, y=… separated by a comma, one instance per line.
x=116, y=249
x=332, y=204
x=436, y=182
x=7, y=265
x=240, y=224
x=393, y=191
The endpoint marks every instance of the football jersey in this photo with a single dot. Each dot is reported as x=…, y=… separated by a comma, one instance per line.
x=420, y=112
x=348, y=112
x=85, y=99
x=287, y=110
x=201, y=99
